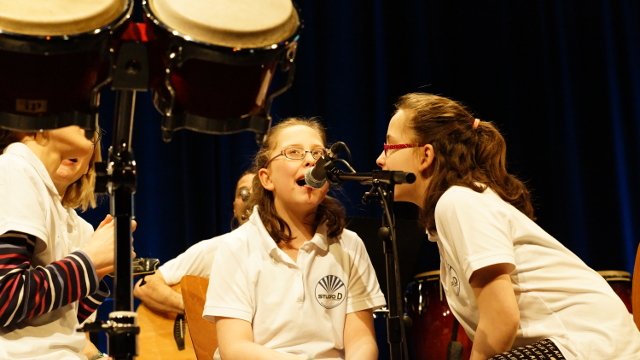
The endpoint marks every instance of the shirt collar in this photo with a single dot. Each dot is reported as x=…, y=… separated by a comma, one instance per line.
x=319, y=239
x=21, y=150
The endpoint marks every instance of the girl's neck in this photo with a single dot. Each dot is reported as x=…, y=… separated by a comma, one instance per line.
x=302, y=225
x=49, y=158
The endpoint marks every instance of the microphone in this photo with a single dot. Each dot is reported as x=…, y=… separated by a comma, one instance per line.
x=317, y=175
x=326, y=169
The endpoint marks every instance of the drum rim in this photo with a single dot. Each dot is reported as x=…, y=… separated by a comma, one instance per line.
x=615, y=275
x=45, y=41
x=282, y=44
x=426, y=274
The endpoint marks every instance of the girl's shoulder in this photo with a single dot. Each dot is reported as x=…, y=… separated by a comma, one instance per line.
x=462, y=197
x=457, y=193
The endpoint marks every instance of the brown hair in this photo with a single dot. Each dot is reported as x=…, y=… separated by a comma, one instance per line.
x=468, y=152
x=329, y=211
x=80, y=194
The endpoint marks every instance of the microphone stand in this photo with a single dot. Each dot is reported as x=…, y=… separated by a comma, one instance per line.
x=382, y=187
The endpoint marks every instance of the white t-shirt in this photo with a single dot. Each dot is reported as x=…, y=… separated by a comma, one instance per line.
x=31, y=204
x=559, y=296
x=196, y=260
x=294, y=307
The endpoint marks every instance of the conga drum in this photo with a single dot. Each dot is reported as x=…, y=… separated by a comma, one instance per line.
x=54, y=58
x=620, y=282
x=434, y=330
x=214, y=60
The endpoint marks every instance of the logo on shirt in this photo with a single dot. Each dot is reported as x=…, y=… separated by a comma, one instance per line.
x=330, y=291
x=454, y=282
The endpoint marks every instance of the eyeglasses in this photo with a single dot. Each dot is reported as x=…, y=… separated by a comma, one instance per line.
x=243, y=193
x=298, y=153
x=97, y=135
x=386, y=147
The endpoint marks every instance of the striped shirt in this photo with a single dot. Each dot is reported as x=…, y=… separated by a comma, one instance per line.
x=47, y=285
x=27, y=291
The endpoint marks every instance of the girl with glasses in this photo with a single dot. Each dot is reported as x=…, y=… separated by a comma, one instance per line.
x=51, y=260
x=517, y=291
x=292, y=282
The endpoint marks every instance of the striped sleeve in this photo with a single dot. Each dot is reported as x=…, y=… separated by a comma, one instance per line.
x=90, y=304
x=27, y=291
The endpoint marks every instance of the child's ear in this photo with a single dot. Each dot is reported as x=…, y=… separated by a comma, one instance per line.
x=265, y=179
x=427, y=157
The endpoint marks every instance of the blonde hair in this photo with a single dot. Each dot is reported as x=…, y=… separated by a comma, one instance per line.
x=81, y=194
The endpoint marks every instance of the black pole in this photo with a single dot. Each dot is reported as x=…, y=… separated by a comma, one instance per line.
x=122, y=337
x=130, y=75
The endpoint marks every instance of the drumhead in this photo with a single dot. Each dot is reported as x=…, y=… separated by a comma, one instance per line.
x=615, y=275
x=230, y=23
x=58, y=17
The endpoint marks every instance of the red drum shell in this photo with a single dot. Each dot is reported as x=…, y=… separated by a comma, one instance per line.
x=55, y=76
x=433, y=324
x=211, y=81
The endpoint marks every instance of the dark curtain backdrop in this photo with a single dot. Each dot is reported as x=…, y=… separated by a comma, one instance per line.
x=561, y=79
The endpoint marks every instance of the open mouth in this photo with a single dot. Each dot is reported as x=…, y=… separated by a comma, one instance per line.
x=301, y=182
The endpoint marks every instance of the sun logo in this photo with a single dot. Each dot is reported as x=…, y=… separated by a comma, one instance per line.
x=330, y=291
x=454, y=283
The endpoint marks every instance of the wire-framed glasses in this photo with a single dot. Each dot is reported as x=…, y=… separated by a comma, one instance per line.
x=97, y=136
x=386, y=147
x=298, y=153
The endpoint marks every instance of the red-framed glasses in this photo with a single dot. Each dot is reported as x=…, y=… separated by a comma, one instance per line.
x=387, y=147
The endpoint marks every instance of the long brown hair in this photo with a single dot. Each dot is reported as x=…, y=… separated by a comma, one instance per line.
x=329, y=211
x=468, y=152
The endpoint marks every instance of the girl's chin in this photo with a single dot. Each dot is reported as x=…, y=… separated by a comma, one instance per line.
x=401, y=198
x=70, y=174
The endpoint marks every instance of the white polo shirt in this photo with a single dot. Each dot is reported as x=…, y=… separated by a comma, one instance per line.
x=559, y=296
x=196, y=260
x=294, y=307
x=31, y=204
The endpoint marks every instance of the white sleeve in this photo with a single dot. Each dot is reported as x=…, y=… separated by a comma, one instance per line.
x=364, y=289
x=229, y=293
x=23, y=205
x=475, y=226
x=196, y=260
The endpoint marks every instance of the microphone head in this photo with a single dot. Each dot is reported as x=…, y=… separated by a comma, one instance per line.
x=317, y=175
